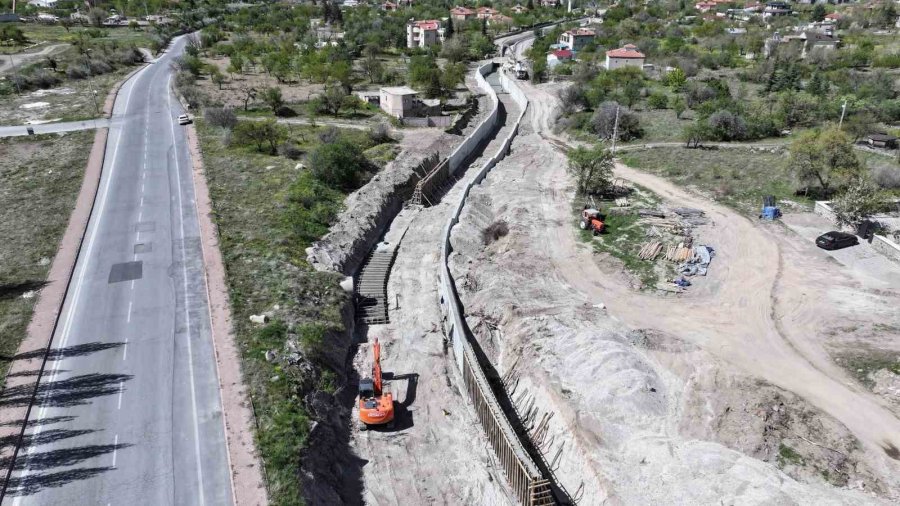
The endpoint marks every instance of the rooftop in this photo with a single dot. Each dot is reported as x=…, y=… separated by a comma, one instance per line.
x=627, y=51
x=399, y=90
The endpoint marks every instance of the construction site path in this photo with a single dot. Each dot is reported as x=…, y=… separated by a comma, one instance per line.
x=437, y=453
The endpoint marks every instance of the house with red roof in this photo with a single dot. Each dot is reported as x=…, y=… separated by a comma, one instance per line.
x=500, y=20
x=424, y=33
x=705, y=6
x=558, y=56
x=832, y=18
x=626, y=56
x=485, y=12
x=460, y=13
x=576, y=39
x=389, y=6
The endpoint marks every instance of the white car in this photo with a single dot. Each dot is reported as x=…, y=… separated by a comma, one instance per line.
x=184, y=119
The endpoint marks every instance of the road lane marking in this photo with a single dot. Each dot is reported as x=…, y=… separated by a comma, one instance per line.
x=115, y=450
x=125, y=350
x=79, y=283
x=121, y=391
x=187, y=316
x=129, y=311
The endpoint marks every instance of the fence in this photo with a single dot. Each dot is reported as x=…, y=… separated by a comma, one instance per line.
x=524, y=476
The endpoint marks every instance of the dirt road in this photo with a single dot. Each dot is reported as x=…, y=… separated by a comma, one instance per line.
x=762, y=313
x=8, y=62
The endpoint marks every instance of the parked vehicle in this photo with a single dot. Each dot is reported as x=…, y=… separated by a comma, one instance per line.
x=184, y=119
x=836, y=240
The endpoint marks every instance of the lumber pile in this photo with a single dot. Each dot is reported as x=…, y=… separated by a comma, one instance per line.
x=679, y=253
x=650, y=250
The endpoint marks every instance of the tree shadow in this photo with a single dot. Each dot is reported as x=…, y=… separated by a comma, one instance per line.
x=45, y=437
x=64, y=457
x=71, y=351
x=403, y=417
x=34, y=423
x=31, y=484
x=67, y=392
x=14, y=290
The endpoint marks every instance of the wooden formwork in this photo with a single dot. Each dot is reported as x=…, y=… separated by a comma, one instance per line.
x=524, y=478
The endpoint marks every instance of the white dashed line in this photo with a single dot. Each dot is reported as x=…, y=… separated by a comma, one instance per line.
x=129, y=311
x=121, y=391
x=125, y=350
x=115, y=450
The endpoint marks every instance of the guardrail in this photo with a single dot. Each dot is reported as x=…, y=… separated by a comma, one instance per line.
x=525, y=478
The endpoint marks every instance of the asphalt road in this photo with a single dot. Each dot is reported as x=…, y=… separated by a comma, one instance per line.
x=129, y=411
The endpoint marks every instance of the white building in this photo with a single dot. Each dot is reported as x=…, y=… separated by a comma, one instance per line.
x=424, y=33
x=627, y=56
x=398, y=101
x=47, y=4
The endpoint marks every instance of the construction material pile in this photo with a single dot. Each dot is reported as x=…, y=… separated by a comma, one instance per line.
x=671, y=238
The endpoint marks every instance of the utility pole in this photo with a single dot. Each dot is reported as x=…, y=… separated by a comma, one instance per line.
x=843, y=110
x=93, y=92
x=615, y=131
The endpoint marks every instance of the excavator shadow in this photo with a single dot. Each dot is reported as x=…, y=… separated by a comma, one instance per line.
x=403, y=416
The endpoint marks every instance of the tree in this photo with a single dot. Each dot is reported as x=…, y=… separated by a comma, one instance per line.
x=333, y=98
x=632, y=92
x=695, y=133
x=727, y=126
x=819, y=12
x=261, y=134
x=603, y=122
x=216, y=77
x=592, y=168
x=453, y=75
x=825, y=157
x=678, y=105
x=860, y=124
x=857, y=202
x=818, y=85
x=272, y=97
x=372, y=66
x=96, y=16
x=449, y=30
x=338, y=164
x=236, y=64
x=249, y=93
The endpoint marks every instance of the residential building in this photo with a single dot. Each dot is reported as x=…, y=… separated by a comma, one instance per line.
x=626, y=56
x=398, y=101
x=424, y=33
x=832, y=18
x=500, y=20
x=705, y=6
x=777, y=8
x=388, y=6
x=518, y=9
x=549, y=3
x=558, y=56
x=576, y=39
x=807, y=41
x=47, y=4
x=485, y=12
x=460, y=13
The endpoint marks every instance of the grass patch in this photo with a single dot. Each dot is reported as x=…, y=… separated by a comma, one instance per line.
x=788, y=456
x=39, y=182
x=624, y=235
x=268, y=211
x=734, y=176
x=862, y=364
x=54, y=34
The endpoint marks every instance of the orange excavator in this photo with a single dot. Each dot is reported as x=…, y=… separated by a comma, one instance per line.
x=376, y=407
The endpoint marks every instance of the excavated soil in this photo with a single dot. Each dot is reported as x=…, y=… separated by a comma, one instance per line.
x=729, y=393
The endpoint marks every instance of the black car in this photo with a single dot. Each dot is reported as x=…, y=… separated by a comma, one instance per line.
x=836, y=240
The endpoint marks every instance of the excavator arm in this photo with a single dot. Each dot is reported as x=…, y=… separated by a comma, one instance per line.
x=376, y=367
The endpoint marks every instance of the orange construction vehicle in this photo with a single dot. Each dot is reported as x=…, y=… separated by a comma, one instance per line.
x=590, y=220
x=376, y=407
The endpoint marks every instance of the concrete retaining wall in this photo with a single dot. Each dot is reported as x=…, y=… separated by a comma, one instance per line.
x=524, y=477
x=483, y=130
x=886, y=247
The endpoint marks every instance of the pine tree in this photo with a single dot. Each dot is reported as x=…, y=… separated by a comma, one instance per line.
x=448, y=32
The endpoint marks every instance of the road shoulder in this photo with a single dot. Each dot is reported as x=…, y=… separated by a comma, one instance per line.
x=248, y=486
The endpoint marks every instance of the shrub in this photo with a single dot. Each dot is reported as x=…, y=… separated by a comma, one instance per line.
x=887, y=177
x=380, y=133
x=494, y=231
x=338, y=164
x=43, y=79
x=220, y=117
x=329, y=135
x=727, y=126
x=99, y=66
x=77, y=72
x=658, y=100
x=290, y=150
x=285, y=112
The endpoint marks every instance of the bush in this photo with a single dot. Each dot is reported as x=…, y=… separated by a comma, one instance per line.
x=338, y=164
x=727, y=126
x=603, y=122
x=285, y=112
x=99, y=66
x=220, y=117
x=658, y=100
x=380, y=133
x=494, y=231
x=887, y=177
x=43, y=79
x=77, y=72
x=290, y=150
x=329, y=135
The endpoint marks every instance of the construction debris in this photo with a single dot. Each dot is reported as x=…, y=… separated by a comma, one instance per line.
x=650, y=250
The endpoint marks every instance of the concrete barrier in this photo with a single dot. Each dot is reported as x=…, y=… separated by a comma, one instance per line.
x=525, y=478
x=886, y=247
